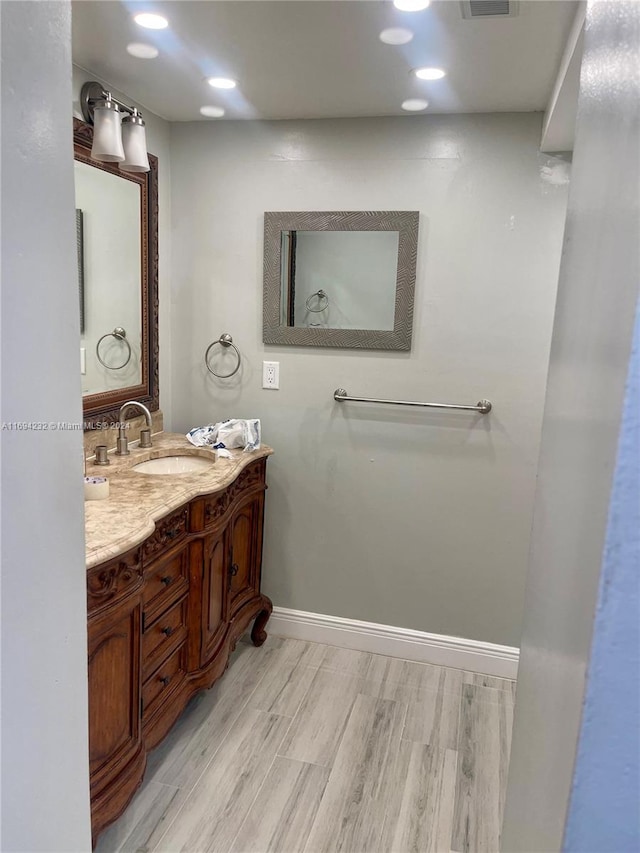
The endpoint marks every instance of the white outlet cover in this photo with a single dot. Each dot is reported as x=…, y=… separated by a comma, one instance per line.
x=271, y=375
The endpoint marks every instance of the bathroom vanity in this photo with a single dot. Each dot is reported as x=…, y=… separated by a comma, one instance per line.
x=173, y=580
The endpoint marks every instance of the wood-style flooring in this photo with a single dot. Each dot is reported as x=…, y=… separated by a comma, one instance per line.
x=305, y=748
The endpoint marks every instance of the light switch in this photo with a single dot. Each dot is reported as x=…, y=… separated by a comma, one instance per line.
x=83, y=361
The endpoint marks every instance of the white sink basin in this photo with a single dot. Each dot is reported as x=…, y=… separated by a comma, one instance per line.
x=173, y=465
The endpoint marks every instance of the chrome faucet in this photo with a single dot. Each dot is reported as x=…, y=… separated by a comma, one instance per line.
x=122, y=444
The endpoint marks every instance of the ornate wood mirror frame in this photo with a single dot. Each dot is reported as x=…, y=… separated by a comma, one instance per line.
x=104, y=407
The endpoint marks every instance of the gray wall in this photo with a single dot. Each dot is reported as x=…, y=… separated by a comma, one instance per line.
x=597, y=297
x=45, y=770
x=415, y=519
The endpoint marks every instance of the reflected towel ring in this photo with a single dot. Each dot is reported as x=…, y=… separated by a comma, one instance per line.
x=321, y=295
x=224, y=340
x=120, y=335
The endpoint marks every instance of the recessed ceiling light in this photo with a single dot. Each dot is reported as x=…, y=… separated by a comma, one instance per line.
x=150, y=21
x=222, y=82
x=411, y=5
x=142, y=51
x=396, y=35
x=429, y=73
x=414, y=105
x=212, y=112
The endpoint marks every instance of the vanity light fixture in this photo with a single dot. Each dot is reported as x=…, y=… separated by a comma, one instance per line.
x=429, y=73
x=115, y=139
x=411, y=5
x=150, y=21
x=414, y=105
x=396, y=35
x=222, y=82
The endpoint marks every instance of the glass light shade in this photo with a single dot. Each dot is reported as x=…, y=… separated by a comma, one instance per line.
x=134, y=140
x=107, y=135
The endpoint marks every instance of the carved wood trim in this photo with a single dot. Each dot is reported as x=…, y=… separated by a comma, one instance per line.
x=168, y=531
x=105, y=583
x=217, y=506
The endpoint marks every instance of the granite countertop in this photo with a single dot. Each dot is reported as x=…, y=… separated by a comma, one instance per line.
x=136, y=501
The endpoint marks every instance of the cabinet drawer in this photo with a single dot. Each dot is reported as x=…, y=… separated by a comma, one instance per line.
x=165, y=581
x=159, y=637
x=163, y=682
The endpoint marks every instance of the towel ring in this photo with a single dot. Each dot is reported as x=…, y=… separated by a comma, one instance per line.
x=321, y=295
x=225, y=340
x=120, y=335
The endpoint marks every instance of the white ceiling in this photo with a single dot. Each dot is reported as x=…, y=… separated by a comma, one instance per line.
x=323, y=58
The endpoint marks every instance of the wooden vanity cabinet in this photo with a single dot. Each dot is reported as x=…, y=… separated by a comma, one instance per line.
x=116, y=752
x=163, y=620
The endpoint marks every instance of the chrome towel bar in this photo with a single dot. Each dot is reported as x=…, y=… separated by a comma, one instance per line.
x=482, y=406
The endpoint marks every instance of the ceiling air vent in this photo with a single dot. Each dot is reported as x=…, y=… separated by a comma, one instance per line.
x=489, y=8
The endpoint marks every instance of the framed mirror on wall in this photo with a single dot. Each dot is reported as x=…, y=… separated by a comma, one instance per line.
x=117, y=235
x=340, y=278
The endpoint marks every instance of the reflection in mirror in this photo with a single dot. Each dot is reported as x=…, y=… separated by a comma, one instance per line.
x=340, y=279
x=117, y=232
x=111, y=250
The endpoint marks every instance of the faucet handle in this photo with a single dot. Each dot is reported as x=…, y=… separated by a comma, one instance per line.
x=145, y=437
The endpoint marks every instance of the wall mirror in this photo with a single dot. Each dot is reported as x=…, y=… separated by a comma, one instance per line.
x=117, y=234
x=340, y=278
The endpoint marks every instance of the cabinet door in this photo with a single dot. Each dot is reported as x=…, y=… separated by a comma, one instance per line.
x=114, y=689
x=245, y=531
x=214, y=593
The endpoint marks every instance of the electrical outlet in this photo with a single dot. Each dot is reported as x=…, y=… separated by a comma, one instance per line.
x=271, y=375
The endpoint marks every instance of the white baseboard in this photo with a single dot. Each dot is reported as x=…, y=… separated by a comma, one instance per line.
x=438, y=649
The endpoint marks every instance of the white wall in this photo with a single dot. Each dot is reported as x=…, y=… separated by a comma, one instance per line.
x=597, y=297
x=411, y=518
x=45, y=765
x=158, y=137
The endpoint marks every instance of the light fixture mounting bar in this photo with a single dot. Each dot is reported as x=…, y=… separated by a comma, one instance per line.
x=91, y=92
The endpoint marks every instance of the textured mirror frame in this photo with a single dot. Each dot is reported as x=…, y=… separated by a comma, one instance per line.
x=405, y=222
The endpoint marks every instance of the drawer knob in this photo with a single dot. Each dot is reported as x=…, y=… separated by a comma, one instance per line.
x=171, y=534
x=168, y=631
x=166, y=580
x=165, y=679
x=234, y=569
